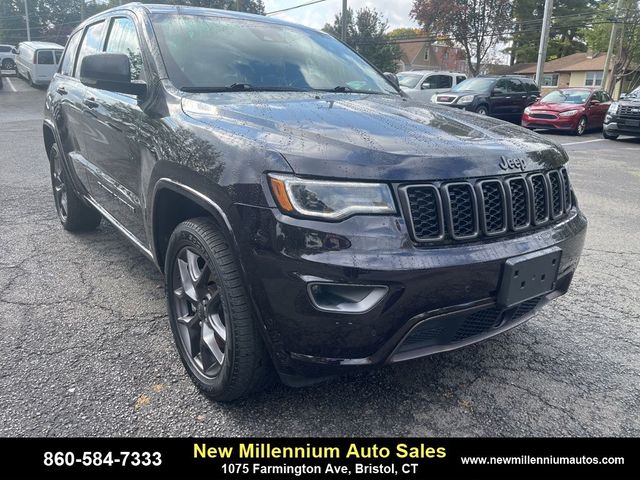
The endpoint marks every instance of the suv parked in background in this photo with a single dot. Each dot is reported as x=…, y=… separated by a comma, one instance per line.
x=503, y=97
x=422, y=84
x=304, y=212
x=7, y=57
x=623, y=117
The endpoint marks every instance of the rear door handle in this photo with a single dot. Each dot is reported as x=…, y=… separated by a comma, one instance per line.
x=91, y=102
x=61, y=90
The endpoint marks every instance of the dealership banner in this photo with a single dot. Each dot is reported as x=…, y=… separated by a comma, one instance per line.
x=315, y=458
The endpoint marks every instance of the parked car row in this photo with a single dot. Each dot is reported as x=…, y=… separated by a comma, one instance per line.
x=7, y=57
x=517, y=99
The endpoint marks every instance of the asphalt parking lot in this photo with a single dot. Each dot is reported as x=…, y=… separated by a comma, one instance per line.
x=85, y=347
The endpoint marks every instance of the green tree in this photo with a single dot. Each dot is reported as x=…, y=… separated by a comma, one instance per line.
x=565, y=37
x=626, y=60
x=404, y=33
x=366, y=34
x=476, y=25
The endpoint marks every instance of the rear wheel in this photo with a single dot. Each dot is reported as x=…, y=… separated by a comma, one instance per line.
x=582, y=126
x=74, y=215
x=211, y=315
x=482, y=110
x=8, y=64
x=30, y=80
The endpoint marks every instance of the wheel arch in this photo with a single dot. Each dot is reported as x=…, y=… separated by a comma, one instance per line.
x=49, y=136
x=173, y=203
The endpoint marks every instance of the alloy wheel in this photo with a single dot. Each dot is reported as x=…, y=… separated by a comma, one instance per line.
x=582, y=125
x=59, y=187
x=199, y=312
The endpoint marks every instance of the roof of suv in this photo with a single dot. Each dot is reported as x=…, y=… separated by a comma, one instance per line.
x=39, y=45
x=440, y=72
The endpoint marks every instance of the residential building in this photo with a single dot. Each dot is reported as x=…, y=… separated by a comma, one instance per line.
x=421, y=55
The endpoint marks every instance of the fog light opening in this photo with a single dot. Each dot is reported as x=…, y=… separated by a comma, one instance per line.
x=345, y=298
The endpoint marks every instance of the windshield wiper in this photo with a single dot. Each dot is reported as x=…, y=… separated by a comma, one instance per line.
x=348, y=89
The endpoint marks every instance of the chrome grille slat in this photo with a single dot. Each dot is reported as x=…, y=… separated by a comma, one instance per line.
x=487, y=207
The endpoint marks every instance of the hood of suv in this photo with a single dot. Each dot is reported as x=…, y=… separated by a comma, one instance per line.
x=370, y=136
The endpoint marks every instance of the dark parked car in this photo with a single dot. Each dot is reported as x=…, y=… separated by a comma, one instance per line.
x=503, y=97
x=571, y=109
x=623, y=117
x=304, y=212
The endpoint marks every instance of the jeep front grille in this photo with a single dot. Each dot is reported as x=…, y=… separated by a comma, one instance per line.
x=488, y=207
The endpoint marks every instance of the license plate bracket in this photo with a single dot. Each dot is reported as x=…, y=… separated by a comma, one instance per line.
x=529, y=276
x=631, y=123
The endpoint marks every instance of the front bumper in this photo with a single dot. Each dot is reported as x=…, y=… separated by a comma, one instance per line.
x=559, y=123
x=618, y=126
x=437, y=286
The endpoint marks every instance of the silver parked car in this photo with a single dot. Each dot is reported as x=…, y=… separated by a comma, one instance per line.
x=423, y=84
x=7, y=57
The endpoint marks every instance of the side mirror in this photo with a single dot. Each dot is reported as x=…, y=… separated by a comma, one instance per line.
x=594, y=102
x=426, y=86
x=392, y=78
x=111, y=72
x=497, y=91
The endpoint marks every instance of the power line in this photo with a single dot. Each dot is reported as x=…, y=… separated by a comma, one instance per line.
x=295, y=7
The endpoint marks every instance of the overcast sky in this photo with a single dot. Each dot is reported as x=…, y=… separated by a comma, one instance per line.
x=315, y=16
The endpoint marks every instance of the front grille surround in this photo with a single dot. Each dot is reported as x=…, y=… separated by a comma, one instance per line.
x=490, y=207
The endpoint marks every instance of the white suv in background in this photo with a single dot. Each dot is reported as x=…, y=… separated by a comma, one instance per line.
x=7, y=57
x=423, y=84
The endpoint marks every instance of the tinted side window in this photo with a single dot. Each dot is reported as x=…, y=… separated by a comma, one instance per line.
x=516, y=86
x=5, y=49
x=460, y=79
x=438, y=81
x=91, y=43
x=45, y=57
x=70, y=54
x=124, y=39
x=605, y=97
x=503, y=85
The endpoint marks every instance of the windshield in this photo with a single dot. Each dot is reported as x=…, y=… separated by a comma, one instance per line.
x=567, y=96
x=409, y=80
x=210, y=53
x=475, y=84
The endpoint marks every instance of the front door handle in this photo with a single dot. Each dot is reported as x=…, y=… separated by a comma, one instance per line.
x=91, y=102
x=61, y=90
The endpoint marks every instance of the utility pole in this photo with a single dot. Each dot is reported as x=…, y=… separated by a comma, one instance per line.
x=544, y=40
x=26, y=16
x=612, y=43
x=343, y=33
x=237, y=5
x=83, y=14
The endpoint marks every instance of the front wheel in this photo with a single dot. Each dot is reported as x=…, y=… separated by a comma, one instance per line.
x=582, y=126
x=607, y=136
x=211, y=315
x=482, y=110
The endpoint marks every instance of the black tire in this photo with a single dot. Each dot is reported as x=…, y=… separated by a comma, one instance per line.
x=73, y=213
x=581, y=127
x=214, y=327
x=482, y=110
x=8, y=64
x=30, y=81
x=609, y=137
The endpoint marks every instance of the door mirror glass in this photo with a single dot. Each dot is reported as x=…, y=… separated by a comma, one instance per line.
x=427, y=86
x=498, y=91
x=111, y=72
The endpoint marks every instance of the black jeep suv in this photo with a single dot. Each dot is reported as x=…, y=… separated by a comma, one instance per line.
x=623, y=117
x=306, y=214
x=503, y=97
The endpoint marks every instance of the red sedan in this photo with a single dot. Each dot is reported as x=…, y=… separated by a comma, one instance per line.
x=572, y=109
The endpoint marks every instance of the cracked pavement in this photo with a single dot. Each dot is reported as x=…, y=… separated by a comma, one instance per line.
x=86, y=350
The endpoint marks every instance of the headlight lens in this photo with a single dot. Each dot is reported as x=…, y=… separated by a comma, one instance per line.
x=569, y=113
x=330, y=200
x=613, y=108
x=434, y=98
x=527, y=110
x=466, y=99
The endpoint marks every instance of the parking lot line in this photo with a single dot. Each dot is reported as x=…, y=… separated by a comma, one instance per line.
x=13, y=89
x=586, y=141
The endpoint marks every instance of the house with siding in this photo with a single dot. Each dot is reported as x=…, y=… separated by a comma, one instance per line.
x=583, y=69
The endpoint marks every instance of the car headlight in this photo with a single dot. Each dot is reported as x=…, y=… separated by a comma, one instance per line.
x=527, y=110
x=568, y=113
x=466, y=99
x=330, y=200
x=434, y=98
x=613, y=108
